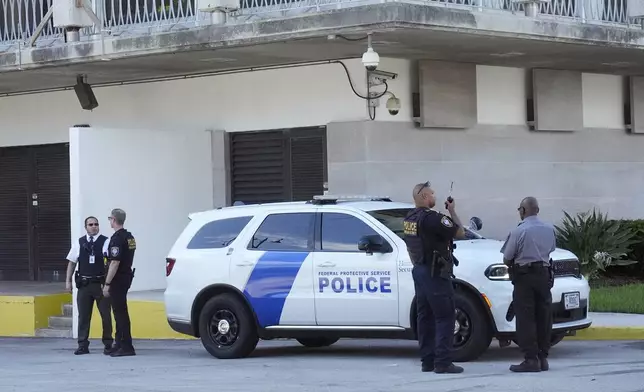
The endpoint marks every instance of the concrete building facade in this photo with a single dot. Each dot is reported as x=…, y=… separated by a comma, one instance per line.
x=502, y=103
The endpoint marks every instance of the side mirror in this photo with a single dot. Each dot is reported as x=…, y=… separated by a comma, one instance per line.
x=476, y=223
x=374, y=244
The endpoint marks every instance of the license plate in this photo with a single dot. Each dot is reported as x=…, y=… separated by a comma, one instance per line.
x=571, y=301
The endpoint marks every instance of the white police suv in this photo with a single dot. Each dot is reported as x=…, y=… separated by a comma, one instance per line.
x=337, y=267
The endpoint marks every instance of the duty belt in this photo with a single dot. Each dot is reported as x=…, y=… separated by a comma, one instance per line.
x=93, y=278
x=534, y=264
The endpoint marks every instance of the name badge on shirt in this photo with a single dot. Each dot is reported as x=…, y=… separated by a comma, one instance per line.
x=91, y=259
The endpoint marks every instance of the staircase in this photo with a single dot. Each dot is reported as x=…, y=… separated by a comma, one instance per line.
x=59, y=326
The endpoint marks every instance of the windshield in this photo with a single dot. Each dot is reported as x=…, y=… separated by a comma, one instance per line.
x=393, y=219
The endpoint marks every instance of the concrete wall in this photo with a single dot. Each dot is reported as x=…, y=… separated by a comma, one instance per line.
x=278, y=98
x=157, y=177
x=499, y=161
x=493, y=164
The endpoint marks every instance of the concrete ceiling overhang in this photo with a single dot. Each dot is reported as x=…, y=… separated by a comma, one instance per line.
x=399, y=30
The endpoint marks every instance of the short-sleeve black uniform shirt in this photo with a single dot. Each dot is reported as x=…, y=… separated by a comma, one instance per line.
x=439, y=229
x=122, y=247
x=426, y=231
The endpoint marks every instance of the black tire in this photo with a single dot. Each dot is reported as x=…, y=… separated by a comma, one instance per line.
x=241, y=338
x=317, y=342
x=475, y=330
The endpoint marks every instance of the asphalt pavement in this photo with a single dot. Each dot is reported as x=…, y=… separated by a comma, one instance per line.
x=34, y=364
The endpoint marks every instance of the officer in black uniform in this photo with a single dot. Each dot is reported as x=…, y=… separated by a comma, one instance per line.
x=89, y=254
x=429, y=237
x=119, y=279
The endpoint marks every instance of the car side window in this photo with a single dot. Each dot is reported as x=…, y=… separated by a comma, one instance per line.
x=218, y=234
x=284, y=232
x=341, y=232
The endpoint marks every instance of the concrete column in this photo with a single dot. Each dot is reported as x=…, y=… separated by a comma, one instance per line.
x=220, y=168
x=637, y=103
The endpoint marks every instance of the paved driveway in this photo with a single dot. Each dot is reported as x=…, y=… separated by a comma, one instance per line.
x=32, y=364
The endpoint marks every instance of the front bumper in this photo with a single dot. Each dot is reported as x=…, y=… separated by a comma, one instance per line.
x=559, y=313
x=563, y=319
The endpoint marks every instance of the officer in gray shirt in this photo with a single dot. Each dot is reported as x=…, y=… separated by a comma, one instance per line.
x=527, y=252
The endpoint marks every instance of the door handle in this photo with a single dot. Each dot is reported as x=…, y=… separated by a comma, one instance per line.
x=245, y=264
x=327, y=264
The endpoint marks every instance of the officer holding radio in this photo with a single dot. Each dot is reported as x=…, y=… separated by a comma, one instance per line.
x=89, y=254
x=527, y=254
x=429, y=237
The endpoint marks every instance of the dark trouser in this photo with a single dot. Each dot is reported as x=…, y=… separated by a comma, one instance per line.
x=118, y=292
x=85, y=302
x=532, y=302
x=436, y=314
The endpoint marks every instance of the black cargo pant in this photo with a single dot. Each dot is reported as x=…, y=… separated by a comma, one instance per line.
x=85, y=298
x=118, y=292
x=436, y=316
x=532, y=302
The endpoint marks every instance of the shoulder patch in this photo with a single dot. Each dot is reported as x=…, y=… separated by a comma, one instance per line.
x=131, y=243
x=114, y=251
x=446, y=222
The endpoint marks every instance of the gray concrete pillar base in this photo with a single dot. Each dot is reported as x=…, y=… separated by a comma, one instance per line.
x=218, y=18
x=72, y=35
x=532, y=9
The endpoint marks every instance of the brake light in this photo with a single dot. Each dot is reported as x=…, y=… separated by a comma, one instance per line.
x=169, y=264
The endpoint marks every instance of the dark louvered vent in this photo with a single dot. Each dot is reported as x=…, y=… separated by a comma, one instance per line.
x=52, y=212
x=14, y=214
x=308, y=152
x=258, y=164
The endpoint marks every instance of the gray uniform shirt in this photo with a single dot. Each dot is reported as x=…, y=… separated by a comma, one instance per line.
x=532, y=241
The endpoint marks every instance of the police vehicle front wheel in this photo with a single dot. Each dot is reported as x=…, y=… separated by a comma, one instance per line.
x=472, y=329
x=227, y=328
x=317, y=342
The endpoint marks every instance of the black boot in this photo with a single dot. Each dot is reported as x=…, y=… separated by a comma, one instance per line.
x=545, y=366
x=109, y=349
x=81, y=351
x=427, y=367
x=527, y=366
x=451, y=368
x=123, y=352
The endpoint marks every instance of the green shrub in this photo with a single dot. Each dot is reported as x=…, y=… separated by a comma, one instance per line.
x=636, y=250
x=597, y=241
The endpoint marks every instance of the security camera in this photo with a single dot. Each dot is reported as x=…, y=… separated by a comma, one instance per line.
x=384, y=75
x=370, y=59
x=393, y=105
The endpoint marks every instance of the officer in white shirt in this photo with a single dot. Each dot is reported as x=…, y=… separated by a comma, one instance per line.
x=89, y=254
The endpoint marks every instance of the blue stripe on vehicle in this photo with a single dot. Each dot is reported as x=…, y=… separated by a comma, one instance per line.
x=270, y=283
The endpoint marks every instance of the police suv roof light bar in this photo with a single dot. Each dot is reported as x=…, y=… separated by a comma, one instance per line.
x=333, y=199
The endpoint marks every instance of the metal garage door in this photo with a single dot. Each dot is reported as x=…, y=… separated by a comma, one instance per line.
x=34, y=212
x=52, y=214
x=14, y=214
x=277, y=165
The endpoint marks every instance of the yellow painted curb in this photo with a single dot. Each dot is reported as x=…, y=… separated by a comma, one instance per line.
x=147, y=319
x=23, y=315
x=609, y=333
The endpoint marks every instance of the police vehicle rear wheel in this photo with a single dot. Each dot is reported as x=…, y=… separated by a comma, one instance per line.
x=472, y=329
x=226, y=327
x=317, y=342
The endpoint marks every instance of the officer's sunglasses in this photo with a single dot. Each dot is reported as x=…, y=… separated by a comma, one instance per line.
x=425, y=185
x=92, y=224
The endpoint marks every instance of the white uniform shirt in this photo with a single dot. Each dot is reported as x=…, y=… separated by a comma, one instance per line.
x=75, y=251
